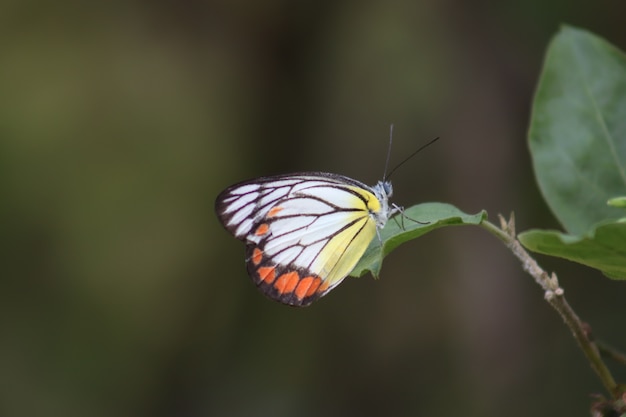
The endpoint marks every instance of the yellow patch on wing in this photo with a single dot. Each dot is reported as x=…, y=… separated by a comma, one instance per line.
x=344, y=250
x=373, y=204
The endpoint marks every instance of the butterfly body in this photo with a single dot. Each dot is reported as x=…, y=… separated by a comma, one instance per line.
x=304, y=232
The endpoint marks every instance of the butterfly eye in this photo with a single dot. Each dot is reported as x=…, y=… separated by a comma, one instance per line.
x=388, y=188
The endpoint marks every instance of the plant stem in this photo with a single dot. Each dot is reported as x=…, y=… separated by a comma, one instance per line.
x=554, y=296
x=610, y=352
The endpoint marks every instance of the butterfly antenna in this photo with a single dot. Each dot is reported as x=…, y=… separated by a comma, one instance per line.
x=388, y=152
x=409, y=157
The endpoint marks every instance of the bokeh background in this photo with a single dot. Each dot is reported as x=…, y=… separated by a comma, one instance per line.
x=120, y=293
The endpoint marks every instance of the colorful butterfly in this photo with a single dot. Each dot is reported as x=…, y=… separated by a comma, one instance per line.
x=304, y=232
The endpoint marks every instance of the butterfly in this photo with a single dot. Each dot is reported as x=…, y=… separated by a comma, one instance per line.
x=304, y=232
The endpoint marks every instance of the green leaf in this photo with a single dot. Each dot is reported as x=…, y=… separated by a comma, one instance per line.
x=578, y=129
x=413, y=223
x=603, y=248
x=619, y=202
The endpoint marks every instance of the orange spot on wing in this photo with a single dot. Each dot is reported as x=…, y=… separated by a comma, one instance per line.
x=286, y=283
x=323, y=287
x=304, y=287
x=274, y=211
x=257, y=256
x=315, y=284
x=267, y=274
x=262, y=229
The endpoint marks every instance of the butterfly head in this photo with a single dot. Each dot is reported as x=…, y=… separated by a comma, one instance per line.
x=386, y=187
x=383, y=190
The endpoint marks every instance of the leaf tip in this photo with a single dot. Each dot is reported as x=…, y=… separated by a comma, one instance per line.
x=619, y=202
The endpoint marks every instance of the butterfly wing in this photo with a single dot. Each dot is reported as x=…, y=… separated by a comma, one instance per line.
x=304, y=232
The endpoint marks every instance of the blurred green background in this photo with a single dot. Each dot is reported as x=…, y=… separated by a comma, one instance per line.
x=120, y=293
